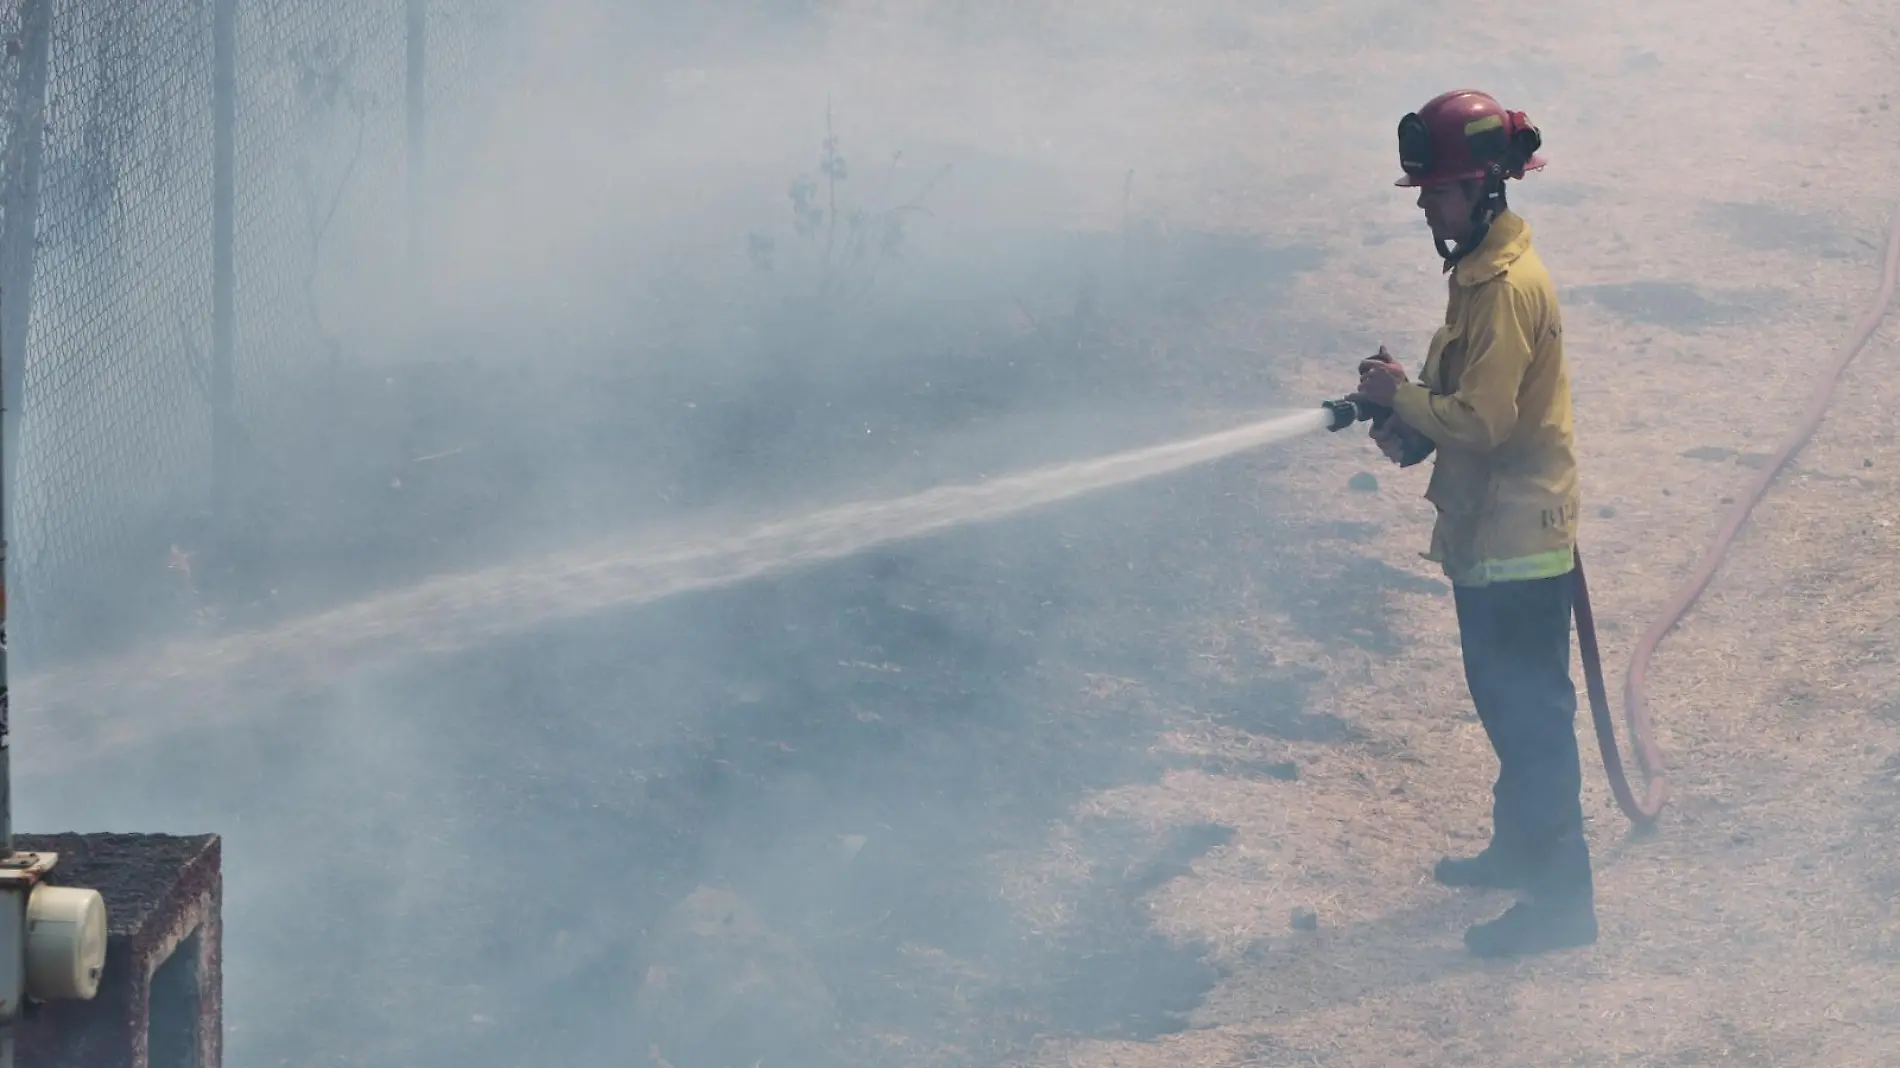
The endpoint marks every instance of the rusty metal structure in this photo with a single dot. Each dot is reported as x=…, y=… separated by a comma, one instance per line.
x=160, y=998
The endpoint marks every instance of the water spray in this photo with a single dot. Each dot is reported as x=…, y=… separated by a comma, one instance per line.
x=88, y=709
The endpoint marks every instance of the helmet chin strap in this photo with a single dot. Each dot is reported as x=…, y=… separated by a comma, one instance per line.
x=1451, y=254
x=1482, y=214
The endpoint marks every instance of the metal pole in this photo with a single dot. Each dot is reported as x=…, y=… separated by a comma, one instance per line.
x=17, y=242
x=223, y=251
x=418, y=113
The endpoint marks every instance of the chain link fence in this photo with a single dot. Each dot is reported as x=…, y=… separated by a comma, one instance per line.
x=320, y=162
x=222, y=201
x=115, y=411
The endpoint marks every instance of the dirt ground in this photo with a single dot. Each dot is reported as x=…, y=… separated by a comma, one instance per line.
x=1245, y=703
x=1721, y=178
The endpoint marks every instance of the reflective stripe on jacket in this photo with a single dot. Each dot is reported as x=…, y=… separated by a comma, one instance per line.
x=1494, y=398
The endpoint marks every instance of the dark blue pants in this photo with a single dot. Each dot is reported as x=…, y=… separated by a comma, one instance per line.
x=1516, y=642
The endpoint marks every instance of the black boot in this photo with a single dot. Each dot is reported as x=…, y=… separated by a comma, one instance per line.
x=1535, y=926
x=1492, y=869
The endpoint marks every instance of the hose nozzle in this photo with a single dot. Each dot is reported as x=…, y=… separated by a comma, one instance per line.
x=1340, y=414
x=1345, y=412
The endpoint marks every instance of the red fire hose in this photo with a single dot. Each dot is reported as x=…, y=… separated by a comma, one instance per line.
x=1644, y=812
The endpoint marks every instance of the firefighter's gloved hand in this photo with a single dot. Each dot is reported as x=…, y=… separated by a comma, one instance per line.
x=1401, y=444
x=1379, y=379
x=1391, y=437
x=1380, y=357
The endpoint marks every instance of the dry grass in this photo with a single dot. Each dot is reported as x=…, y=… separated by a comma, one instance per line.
x=1758, y=926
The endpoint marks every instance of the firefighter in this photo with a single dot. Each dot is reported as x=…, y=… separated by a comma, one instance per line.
x=1491, y=408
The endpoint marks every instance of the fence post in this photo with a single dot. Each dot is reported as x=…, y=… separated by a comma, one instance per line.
x=17, y=240
x=17, y=245
x=223, y=255
x=418, y=113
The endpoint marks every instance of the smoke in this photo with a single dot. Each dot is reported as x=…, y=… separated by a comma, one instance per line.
x=683, y=272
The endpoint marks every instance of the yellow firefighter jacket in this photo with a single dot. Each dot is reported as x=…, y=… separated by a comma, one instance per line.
x=1494, y=398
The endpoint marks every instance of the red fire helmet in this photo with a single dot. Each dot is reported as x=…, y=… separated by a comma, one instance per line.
x=1462, y=135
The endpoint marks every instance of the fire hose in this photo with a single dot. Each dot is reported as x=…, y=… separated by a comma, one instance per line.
x=1644, y=811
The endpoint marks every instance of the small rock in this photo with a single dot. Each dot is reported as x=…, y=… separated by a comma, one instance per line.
x=1607, y=512
x=1305, y=919
x=1867, y=463
x=1363, y=483
x=1728, y=500
x=1666, y=493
